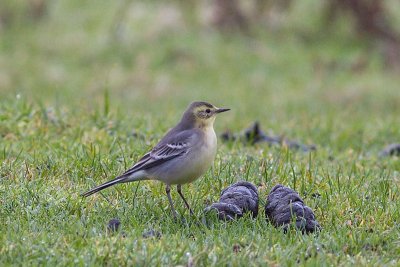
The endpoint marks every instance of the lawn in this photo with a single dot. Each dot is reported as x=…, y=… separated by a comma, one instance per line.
x=91, y=87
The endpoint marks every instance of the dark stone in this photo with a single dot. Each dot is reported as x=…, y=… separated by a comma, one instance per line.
x=236, y=200
x=236, y=248
x=316, y=195
x=151, y=234
x=113, y=225
x=284, y=204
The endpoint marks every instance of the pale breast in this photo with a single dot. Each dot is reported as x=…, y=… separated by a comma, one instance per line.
x=209, y=148
x=198, y=161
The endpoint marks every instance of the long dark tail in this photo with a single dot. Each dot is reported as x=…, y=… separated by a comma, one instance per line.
x=103, y=186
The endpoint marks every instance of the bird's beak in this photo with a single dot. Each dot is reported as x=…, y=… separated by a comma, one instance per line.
x=220, y=110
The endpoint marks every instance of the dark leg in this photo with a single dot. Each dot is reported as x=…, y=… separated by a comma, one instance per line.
x=179, y=187
x=168, y=191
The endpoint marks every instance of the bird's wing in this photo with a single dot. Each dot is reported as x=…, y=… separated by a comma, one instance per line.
x=178, y=145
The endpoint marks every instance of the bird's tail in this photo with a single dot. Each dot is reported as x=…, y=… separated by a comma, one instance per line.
x=102, y=186
x=124, y=178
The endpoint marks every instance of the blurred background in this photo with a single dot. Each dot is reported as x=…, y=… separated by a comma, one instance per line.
x=284, y=63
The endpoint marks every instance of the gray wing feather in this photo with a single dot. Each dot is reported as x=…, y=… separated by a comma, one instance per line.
x=167, y=149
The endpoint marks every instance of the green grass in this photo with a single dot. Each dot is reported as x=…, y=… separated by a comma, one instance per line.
x=79, y=106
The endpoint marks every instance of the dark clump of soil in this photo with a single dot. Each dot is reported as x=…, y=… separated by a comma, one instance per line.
x=391, y=150
x=254, y=135
x=236, y=200
x=285, y=205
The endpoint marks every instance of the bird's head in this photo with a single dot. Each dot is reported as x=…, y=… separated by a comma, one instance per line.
x=201, y=114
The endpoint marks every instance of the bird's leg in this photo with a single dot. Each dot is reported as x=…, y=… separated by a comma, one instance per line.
x=179, y=187
x=168, y=191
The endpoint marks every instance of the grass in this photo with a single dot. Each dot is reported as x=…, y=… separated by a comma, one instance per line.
x=79, y=105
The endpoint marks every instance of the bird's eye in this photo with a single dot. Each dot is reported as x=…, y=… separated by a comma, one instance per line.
x=208, y=110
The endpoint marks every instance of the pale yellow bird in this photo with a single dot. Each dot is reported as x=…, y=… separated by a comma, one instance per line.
x=184, y=154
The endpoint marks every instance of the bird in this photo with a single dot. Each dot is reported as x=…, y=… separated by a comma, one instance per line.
x=184, y=154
